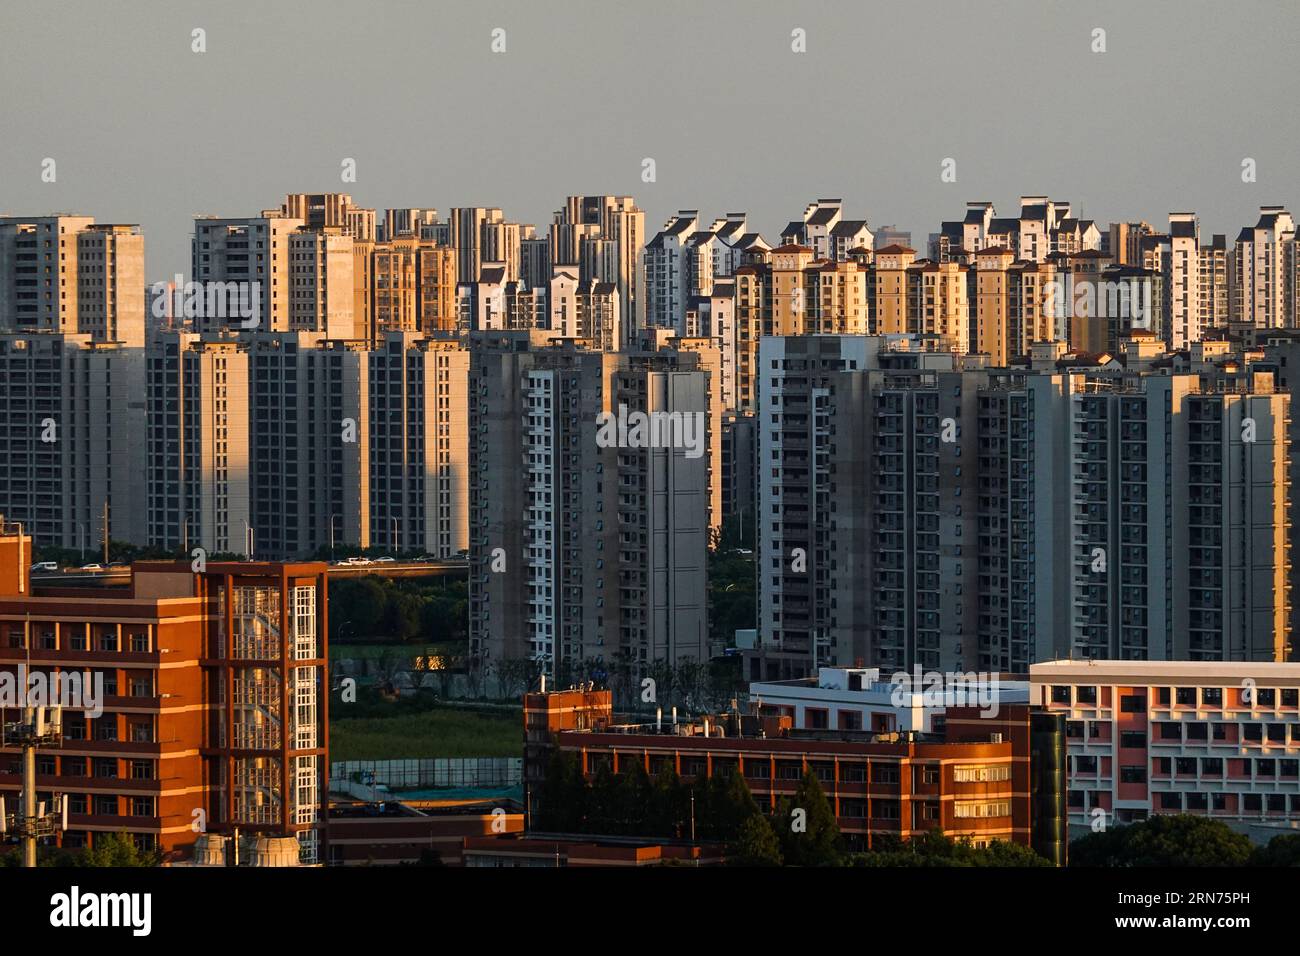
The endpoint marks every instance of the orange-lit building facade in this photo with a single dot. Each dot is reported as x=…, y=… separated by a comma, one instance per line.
x=971, y=782
x=213, y=712
x=1212, y=738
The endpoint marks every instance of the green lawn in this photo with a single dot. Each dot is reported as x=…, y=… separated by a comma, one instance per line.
x=442, y=732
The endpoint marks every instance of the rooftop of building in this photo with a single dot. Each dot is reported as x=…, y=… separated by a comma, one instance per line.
x=1157, y=671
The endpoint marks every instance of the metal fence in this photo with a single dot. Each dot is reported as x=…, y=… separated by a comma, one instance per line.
x=433, y=773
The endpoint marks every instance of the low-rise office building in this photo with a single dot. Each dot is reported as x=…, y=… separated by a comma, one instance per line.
x=972, y=781
x=1219, y=739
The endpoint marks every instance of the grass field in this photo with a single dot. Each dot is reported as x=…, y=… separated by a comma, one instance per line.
x=441, y=732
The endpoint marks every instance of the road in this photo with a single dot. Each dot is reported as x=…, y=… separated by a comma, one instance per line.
x=112, y=577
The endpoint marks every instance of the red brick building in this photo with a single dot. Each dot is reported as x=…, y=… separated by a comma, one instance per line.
x=214, y=708
x=537, y=850
x=971, y=782
x=393, y=833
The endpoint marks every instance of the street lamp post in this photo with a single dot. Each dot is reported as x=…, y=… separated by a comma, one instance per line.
x=31, y=821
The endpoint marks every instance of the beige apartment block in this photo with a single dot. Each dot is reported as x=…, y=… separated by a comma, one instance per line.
x=110, y=284
x=583, y=553
x=891, y=312
x=330, y=211
x=939, y=309
x=239, y=252
x=603, y=236
x=1258, y=293
x=418, y=441
x=72, y=438
x=199, y=467
x=993, y=303
x=321, y=282
x=66, y=274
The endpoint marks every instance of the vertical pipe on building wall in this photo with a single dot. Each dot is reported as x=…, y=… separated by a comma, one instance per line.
x=1049, y=820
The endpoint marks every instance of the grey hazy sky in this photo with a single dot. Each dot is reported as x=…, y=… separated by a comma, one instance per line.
x=143, y=130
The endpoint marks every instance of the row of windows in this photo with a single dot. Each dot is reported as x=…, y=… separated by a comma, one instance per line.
x=1178, y=696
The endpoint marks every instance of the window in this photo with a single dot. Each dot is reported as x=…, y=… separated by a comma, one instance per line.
x=140, y=643
x=976, y=774
x=884, y=773
x=1133, y=704
x=1060, y=694
x=980, y=809
x=1185, y=696
x=1133, y=774
x=1136, y=739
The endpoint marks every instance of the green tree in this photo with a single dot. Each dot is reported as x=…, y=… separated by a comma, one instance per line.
x=1164, y=840
x=729, y=804
x=356, y=607
x=1006, y=853
x=118, y=850
x=733, y=604
x=668, y=805
x=634, y=792
x=936, y=849
x=755, y=844
x=564, y=795
x=401, y=615
x=806, y=825
x=1280, y=851
x=603, y=807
